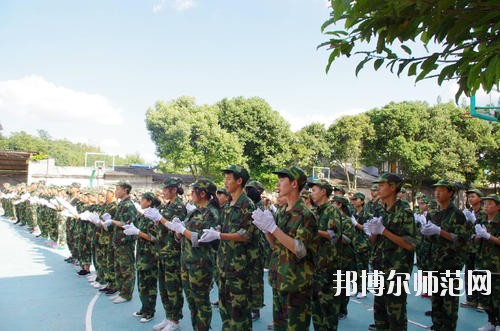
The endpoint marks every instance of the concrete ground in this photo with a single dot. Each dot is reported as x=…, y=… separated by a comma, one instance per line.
x=39, y=291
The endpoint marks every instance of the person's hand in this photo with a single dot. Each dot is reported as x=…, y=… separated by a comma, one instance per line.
x=190, y=207
x=420, y=219
x=130, y=230
x=375, y=226
x=94, y=218
x=265, y=222
x=106, y=217
x=107, y=223
x=470, y=216
x=430, y=229
x=177, y=226
x=482, y=232
x=257, y=214
x=153, y=214
x=367, y=229
x=84, y=216
x=209, y=235
x=354, y=221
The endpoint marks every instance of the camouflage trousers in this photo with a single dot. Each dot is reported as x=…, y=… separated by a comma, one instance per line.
x=389, y=312
x=325, y=306
x=61, y=231
x=470, y=265
x=234, y=302
x=84, y=246
x=147, y=283
x=109, y=269
x=100, y=261
x=125, y=270
x=170, y=286
x=291, y=310
x=491, y=303
x=70, y=240
x=197, y=282
x=444, y=308
x=257, y=283
x=42, y=221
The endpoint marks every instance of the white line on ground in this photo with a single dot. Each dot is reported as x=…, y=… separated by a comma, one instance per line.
x=420, y=325
x=90, y=308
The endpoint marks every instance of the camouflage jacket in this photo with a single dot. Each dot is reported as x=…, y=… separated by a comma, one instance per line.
x=126, y=213
x=146, y=253
x=489, y=253
x=443, y=254
x=375, y=208
x=328, y=216
x=194, y=253
x=167, y=245
x=233, y=258
x=386, y=254
x=361, y=241
x=105, y=235
x=286, y=271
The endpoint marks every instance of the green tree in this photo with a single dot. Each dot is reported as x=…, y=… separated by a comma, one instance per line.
x=263, y=132
x=347, y=137
x=465, y=34
x=187, y=136
x=310, y=147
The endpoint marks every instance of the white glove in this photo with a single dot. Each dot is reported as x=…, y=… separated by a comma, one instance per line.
x=84, y=216
x=106, y=217
x=190, y=207
x=430, y=229
x=470, y=216
x=481, y=232
x=375, y=226
x=94, y=218
x=209, y=235
x=367, y=229
x=107, y=223
x=130, y=230
x=419, y=218
x=257, y=214
x=353, y=220
x=177, y=226
x=152, y=214
x=266, y=222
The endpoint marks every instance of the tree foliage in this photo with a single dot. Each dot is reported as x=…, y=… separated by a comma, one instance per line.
x=310, y=147
x=388, y=32
x=187, y=136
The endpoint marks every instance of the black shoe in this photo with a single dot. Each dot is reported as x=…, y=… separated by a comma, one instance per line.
x=255, y=314
x=83, y=272
x=111, y=291
x=137, y=314
x=146, y=318
x=17, y=222
x=428, y=313
x=215, y=303
x=372, y=327
x=68, y=259
x=104, y=289
x=342, y=316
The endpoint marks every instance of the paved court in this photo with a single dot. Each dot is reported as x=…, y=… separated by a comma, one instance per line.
x=39, y=291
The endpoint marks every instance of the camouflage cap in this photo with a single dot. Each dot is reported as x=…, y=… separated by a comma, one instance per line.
x=238, y=170
x=475, y=190
x=172, y=182
x=322, y=183
x=389, y=177
x=403, y=190
x=419, y=195
x=339, y=188
x=427, y=201
x=223, y=190
x=150, y=196
x=493, y=197
x=358, y=195
x=205, y=184
x=374, y=187
x=340, y=199
x=75, y=184
x=256, y=185
x=450, y=186
x=294, y=173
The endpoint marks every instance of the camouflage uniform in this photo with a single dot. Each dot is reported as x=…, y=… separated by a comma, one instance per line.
x=325, y=314
x=169, y=263
x=70, y=231
x=234, y=262
x=126, y=213
x=197, y=266
x=489, y=259
x=104, y=251
x=260, y=245
x=289, y=276
x=147, y=265
x=447, y=255
x=361, y=242
x=390, y=309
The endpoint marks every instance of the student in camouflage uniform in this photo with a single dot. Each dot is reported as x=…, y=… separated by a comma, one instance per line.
x=393, y=240
x=169, y=258
x=472, y=215
x=260, y=251
x=325, y=313
x=146, y=257
x=361, y=241
x=447, y=236
x=295, y=241
x=70, y=223
x=197, y=258
x=234, y=256
x=488, y=237
x=374, y=206
x=124, y=245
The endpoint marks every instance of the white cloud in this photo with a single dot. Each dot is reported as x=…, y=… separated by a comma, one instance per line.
x=299, y=121
x=35, y=98
x=179, y=5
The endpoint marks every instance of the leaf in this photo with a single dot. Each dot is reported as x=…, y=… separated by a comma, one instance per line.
x=361, y=64
x=378, y=63
x=406, y=49
x=412, y=71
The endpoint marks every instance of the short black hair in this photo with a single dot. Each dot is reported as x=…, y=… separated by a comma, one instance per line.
x=126, y=186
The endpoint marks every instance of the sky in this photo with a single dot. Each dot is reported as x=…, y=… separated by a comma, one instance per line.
x=87, y=71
